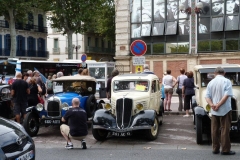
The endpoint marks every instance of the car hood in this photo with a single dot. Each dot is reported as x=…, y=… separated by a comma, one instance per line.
x=131, y=95
x=64, y=97
x=10, y=131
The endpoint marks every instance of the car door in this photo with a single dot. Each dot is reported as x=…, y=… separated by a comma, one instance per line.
x=154, y=93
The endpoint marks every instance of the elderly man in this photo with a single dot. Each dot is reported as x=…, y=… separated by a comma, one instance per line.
x=217, y=9
x=77, y=124
x=59, y=74
x=172, y=13
x=30, y=74
x=146, y=69
x=218, y=97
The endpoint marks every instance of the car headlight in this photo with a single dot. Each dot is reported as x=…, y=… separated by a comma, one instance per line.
x=64, y=105
x=139, y=106
x=107, y=106
x=39, y=107
x=208, y=108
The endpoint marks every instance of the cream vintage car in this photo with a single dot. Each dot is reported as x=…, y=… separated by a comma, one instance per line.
x=203, y=74
x=135, y=105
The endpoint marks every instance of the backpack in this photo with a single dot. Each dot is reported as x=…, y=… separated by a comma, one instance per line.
x=43, y=87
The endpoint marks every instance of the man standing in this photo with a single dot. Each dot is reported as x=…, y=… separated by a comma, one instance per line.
x=217, y=9
x=77, y=125
x=30, y=75
x=173, y=5
x=146, y=70
x=115, y=72
x=231, y=22
x=218, y=96
x=19, y=92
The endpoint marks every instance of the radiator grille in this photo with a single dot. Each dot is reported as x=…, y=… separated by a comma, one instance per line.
x=15, y=147
x=53, y=109
x=234, y=110
x=127, y=111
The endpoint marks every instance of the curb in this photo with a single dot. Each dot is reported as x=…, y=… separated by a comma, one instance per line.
x=176, y=113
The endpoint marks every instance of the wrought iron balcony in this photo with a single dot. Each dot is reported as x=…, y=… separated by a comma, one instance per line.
x=27, y=27
x=25, y=53
x=100, y=50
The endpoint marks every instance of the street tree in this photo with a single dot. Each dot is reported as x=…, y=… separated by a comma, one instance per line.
x=70, y=16
x=14, y=11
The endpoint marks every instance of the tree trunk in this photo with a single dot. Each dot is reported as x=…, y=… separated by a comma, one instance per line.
x=70, y=49
x=12, y=33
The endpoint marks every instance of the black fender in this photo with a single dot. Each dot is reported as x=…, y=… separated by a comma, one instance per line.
x=104, y=118
x=144, y=118
x=199, y=111
x=34, y=111
x=91, y=105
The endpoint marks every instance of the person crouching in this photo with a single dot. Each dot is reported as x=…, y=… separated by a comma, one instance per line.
x=77, y=128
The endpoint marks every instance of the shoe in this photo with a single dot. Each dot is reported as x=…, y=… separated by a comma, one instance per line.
x=69, y=146
x=215, y=152
x=186, y=115
x=169, y=110
x=84, y=146
x=165, y=110
x=228, y=153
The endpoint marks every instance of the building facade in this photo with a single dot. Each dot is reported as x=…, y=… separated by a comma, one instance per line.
x=178, y=33
x=31, y=38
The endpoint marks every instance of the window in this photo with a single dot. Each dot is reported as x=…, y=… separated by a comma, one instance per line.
x=96, y=42
x=89, y=41
x=55, y=43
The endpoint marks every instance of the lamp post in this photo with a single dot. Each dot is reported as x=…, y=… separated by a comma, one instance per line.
x=77, y=48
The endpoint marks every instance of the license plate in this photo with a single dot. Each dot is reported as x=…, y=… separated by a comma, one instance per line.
x=52, y=121
x=121, y=134
x=26, y=156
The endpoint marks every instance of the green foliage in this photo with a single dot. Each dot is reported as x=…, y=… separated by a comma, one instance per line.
x=20, y=9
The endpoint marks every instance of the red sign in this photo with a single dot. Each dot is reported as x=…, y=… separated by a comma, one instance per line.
x=138, y=47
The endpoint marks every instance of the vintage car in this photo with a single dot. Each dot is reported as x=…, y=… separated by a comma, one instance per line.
x=203, y=74
x=65, y=89
x=135, y=105
x=5, y=101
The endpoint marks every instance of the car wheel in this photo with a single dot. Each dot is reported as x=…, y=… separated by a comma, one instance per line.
x=31, y=124
x=100, y=134
x=91, y=105
x=199, y=130
x=153, y=132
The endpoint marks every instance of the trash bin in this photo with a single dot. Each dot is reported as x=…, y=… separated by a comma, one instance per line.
x=102, y=92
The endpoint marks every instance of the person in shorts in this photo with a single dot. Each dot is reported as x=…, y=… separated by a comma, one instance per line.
x=19, y=92
x=77, y=129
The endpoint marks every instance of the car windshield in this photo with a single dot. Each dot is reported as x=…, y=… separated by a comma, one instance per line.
x=232, y=76
x=81, y=87
x=130, y=85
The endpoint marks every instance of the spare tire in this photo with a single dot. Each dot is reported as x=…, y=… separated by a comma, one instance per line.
x=91, y=105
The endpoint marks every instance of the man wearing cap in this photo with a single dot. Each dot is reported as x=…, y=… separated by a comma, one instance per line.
x=231, y=22
x=217, y=9
x=172, y=14
x=160, y=11
x=146, y=70
x=218, y=96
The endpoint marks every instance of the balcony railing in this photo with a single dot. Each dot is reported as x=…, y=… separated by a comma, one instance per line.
x=100, y=50
x=56, y=50
x=25, y=53
x=27, y=27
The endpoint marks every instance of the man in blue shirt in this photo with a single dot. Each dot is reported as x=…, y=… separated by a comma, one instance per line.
x=218, y=96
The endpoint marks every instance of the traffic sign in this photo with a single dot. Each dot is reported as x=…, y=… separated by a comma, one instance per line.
x=138, y=69
x=140, y=60
x=84, y=57
x=138, y=47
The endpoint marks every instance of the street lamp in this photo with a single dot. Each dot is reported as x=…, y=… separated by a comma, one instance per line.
x=77, y=48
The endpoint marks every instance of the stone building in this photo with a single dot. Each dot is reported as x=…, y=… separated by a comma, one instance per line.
x=178, y=33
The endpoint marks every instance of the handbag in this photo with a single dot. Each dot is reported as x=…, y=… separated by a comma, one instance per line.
x=40, y=100
x=178, y=90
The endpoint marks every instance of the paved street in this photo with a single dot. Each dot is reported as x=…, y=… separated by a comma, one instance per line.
x=176, y=140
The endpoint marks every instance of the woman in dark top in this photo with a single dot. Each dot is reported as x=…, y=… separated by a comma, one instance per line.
x=188, y=92
x=34, y=90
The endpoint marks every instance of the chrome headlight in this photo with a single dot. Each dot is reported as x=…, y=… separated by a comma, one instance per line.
x=64, y=105
x=39, y=107
x=139, y=106
x=107, y=106
x=208, y=108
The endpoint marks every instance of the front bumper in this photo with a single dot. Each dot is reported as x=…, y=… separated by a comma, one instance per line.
x=107, y=121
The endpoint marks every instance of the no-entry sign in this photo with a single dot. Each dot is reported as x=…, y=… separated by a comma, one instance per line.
x=138, y=47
